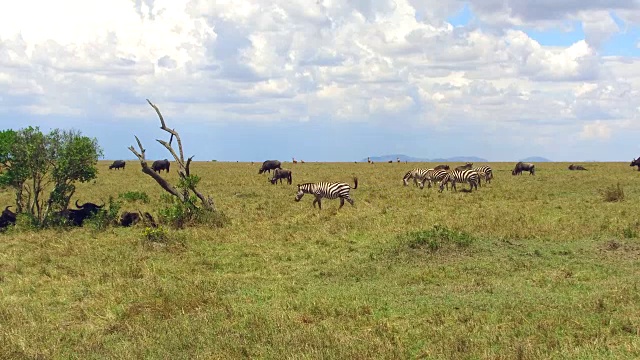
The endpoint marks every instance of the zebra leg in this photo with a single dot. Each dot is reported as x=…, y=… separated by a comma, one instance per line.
x=453, y=186
x=351, y=201
x=341, y=203
x=318, y=200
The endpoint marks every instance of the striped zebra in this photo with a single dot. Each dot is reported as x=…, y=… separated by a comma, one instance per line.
x=415, y=174
x=461, y=176
x=432, y=176
x=485, y=173
x=327, y=190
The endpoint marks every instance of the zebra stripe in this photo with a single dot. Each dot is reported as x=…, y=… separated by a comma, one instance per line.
x=485, y=173
x=461, y=176
x=414, y=174
x=327, y=190
x=432, y=176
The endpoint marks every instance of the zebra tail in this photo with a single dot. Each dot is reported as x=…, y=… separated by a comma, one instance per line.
x=355, y=182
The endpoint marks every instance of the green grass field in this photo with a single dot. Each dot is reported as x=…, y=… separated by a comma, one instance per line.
x=526, y=267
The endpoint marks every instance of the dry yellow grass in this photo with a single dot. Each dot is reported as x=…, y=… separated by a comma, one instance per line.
x=550, y=270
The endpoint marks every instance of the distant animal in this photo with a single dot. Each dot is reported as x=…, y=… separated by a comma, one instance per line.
x=466, y=166
x=327, y=190
x=636, y=162
x=160, y=165
x=279, y=174
x=129, y=218
x=520, y=167
x=390, y=161
x=398, y=160
x=445, y=167
x=485, y=172
x=414, y=174
x=461, y=176
x=77, y=216
x=293, y=160
x=269, y=165
x=302, y=161
x=118, y=164
x=576, y=167
x=7, y=218
x=369, y=160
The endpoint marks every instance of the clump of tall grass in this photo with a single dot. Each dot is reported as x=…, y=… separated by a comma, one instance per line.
x=436, y=238
x=613, y=193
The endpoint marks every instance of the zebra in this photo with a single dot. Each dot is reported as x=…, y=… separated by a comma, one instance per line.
x=485, y=173
x=461, y=176
x=414, y=174
x=432, y=176
x=327, y=190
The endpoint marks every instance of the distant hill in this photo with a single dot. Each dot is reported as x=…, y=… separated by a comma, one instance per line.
x=403, y=158
x=536, y=159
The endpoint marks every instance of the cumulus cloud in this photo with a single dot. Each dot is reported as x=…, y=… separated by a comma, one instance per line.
x=380, y=61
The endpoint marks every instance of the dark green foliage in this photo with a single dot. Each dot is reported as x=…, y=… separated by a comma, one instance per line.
x=35, y=163
x=180, y=214
x=132, y=196
x=437, y=238
x=106, y=216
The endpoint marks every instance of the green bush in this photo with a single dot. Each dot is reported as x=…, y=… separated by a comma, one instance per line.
x=436, y=238
x=179, y=214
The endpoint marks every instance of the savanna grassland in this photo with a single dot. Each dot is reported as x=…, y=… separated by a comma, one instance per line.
x=526, y=267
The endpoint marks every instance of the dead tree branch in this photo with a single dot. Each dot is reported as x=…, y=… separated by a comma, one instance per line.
x=183, y=167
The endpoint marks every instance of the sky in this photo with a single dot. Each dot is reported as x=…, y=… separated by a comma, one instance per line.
x=330, y=80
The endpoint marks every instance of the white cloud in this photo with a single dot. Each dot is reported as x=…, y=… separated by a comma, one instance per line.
x=596, y=130
x=394, y=61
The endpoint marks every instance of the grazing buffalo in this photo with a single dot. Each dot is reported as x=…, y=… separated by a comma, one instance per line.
x=576, y=167
x=636, y=162
x=269, y=165
x=441, y=167
x=520, y=167
x=77, y=216
x=7, y=218
x=280, y=174
x=466, y=166
x=118, y=164
x=160, y=165
x=129, y=218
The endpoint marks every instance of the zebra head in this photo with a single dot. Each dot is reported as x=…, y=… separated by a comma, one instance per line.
x=300, y=193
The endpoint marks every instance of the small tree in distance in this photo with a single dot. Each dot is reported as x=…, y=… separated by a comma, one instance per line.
x=43, y=168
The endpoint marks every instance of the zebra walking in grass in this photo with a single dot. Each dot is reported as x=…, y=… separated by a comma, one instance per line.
x=461, y=176
x=485, y=172
x=432, y=176
x=327, y=190
x=415, y=174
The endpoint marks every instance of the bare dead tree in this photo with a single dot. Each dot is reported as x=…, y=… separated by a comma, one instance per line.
x=183, y=166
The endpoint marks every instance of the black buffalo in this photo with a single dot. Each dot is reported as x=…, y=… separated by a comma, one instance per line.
x=443, y=167
x=129, y=218
x=160, y=165
x=118, y=164
x=576, y=167
x=466, y=166
x=279, y=174
x=520, y=167
x=269, y=165
x=7, y=218
x=77, y=216
x=636, y=162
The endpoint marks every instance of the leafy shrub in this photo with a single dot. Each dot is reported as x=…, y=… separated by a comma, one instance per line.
x=157, y=235
x=613, y=193
x=106, y=216
x=132, y=196
x=179, y=214
x=436, y=238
